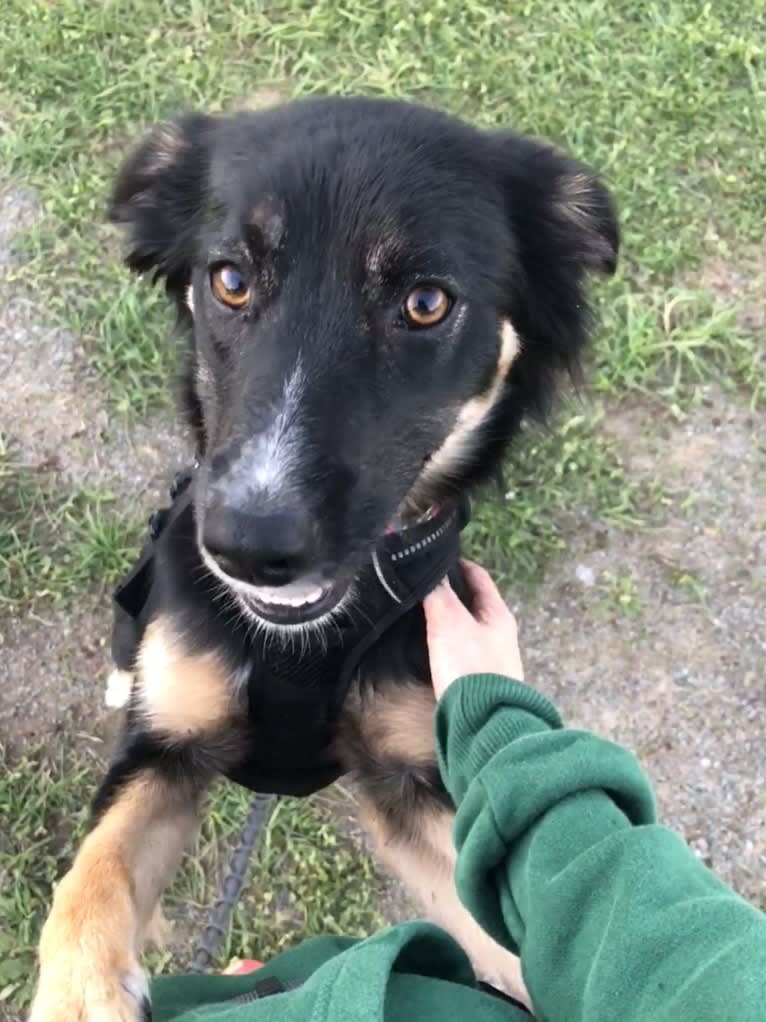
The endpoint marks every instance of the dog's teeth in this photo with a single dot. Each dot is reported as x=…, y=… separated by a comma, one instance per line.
x=310, y=597
x=272, y=599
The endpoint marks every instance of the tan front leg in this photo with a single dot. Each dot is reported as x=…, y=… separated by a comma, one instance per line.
x=425, y=863
x=181, y=727
x=102, y=909
x=388, y=744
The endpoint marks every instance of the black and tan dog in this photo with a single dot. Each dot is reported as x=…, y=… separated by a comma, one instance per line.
x=375, y=294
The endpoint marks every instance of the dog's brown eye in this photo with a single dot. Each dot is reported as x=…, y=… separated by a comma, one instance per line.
x=426, y=306
x=229, y=286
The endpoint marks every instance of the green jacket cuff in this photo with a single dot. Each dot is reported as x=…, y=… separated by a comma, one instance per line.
x=465, y=744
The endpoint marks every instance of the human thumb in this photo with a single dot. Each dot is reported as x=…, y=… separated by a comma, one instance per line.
x=442, y=606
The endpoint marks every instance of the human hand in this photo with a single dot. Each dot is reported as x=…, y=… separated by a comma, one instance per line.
x=461, y=642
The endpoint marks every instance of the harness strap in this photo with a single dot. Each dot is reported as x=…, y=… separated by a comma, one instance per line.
x=132, y=592
x=408, y=565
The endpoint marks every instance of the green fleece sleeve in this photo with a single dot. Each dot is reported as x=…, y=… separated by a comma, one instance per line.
x=560, y=859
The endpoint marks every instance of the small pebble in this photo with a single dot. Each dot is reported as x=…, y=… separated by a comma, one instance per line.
x=585, y=575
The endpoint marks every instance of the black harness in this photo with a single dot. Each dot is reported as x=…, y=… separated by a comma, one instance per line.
x=296, y=687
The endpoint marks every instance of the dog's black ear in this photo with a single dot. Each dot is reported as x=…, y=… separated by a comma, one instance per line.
x=564, y=225
x=160, y=194
x=560, y=205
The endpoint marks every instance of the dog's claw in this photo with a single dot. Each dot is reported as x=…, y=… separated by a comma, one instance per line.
x=134, y=984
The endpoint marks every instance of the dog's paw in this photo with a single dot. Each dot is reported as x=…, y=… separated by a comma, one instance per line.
x=504, y=974
x=75, y=990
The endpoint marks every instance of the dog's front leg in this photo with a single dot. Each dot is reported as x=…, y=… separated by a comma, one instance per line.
x=179, y=730
x=91, y=943
x=388, y=745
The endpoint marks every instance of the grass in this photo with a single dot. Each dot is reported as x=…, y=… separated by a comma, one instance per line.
x=663, y=344
x=54, y=544
x=668, y=100
x=308, y=879
x=620, y=594
x=45, y=797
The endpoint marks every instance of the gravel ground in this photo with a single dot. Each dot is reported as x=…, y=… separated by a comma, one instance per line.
x=677, y=671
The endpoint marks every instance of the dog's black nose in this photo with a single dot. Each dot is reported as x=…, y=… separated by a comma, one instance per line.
x=265, y=550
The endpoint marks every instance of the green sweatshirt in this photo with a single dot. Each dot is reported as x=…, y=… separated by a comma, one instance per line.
x=560, y=859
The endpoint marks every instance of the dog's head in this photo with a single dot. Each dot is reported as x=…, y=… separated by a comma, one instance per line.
x=377, y=293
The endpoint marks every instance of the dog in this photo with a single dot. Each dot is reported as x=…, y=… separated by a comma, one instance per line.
x=376, y=295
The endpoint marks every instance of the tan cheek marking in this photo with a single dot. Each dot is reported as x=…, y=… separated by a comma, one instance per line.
x=458, y=443
x=182, y=694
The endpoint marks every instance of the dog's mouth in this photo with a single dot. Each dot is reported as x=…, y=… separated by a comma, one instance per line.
x=308, y=601
x=292, y=604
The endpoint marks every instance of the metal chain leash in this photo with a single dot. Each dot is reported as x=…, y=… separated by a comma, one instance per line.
x=220, y=915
